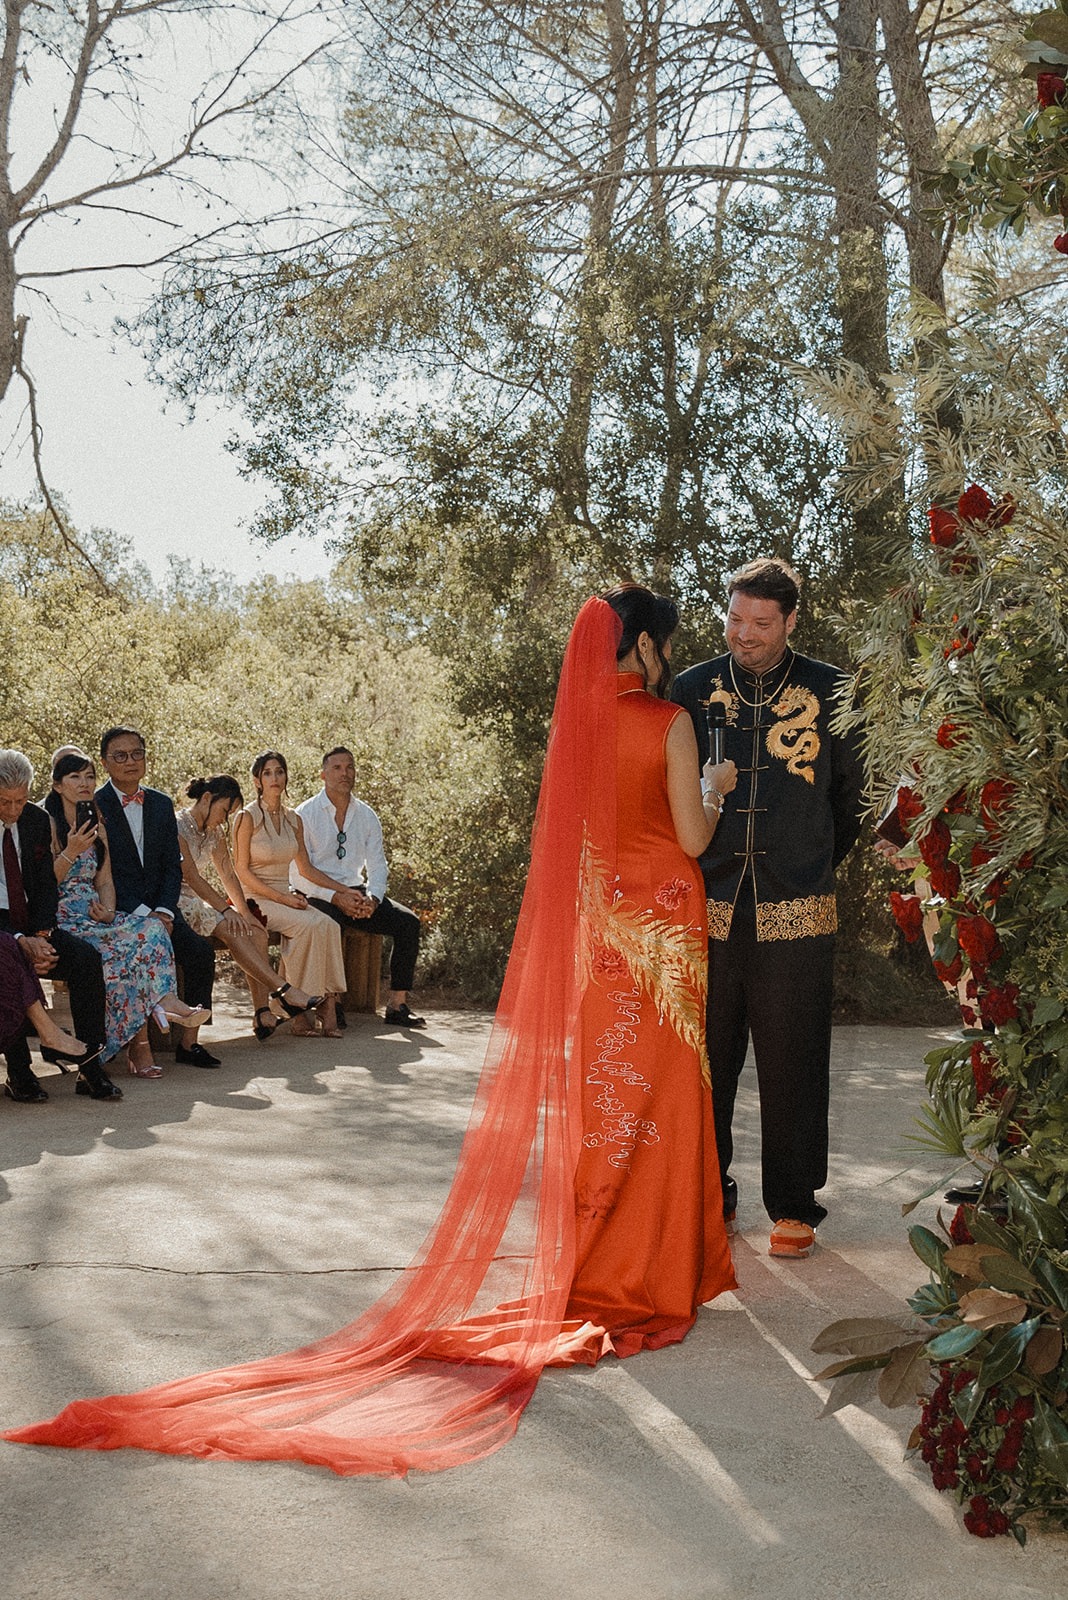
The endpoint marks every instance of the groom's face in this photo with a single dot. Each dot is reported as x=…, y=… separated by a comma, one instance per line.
x=125, y=761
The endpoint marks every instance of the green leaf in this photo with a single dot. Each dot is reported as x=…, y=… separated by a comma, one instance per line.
x=851, y=1389
x=1007, y=1353
x=1030, y=1204
x=966, y=1402
x=1005, y=1272
x=955, y=1342
x=905, y=1376
x=1051, y=27
x=928, y=1246
x=1051, y=1440
x=1056, y=1280
x=1047, y=1009
x=860, y=1336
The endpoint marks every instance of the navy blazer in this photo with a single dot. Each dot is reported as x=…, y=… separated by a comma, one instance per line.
x=38, y=869
x=158, y=882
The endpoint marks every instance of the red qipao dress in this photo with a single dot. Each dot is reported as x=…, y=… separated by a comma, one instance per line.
x=585, y=1213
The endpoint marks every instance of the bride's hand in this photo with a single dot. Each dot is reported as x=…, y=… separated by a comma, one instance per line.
x=723, y=776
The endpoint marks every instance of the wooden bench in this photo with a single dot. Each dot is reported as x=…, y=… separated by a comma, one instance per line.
x=363, y=969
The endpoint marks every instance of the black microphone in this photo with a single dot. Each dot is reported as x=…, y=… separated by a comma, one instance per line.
x=716, y=713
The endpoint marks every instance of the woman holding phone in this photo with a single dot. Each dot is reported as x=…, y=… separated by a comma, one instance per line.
x=139, y=975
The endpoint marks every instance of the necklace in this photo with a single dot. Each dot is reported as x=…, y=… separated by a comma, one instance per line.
x=754, y=704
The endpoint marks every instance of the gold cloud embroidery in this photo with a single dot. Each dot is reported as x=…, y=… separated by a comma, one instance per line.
x=794, y=739
x=718, y=695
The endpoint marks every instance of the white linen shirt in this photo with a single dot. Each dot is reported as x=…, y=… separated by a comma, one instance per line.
x=363, y=865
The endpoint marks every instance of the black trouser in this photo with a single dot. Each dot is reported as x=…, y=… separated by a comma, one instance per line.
x=80, y=969
x=779, y=992
x=196, y=957
x=402, y=926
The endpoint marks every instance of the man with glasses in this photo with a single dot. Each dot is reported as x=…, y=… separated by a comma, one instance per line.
x=146, y=864
x=344, y=840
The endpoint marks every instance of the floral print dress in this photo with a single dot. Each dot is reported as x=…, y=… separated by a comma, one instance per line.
x=136, y=953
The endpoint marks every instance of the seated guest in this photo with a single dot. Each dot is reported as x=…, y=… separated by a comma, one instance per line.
x=344, y=839
x=203, y=842
x=22, y=999
x=28, y=901
x=268, y=840
x=139, y=975
x=146, y=865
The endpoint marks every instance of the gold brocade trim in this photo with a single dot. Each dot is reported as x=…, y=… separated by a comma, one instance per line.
x=779, y=919
x=797, y=919
x=667, y=961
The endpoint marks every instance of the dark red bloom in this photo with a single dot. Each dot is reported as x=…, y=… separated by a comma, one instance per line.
x=982, y=1069
x=994, y=799
x=908, y=914
x=945, y=879
x=1050, y=86
x=1026, y=861
x=975, y=505
x=1061, y=243
x=945, y=527
x=957, y=802
x=998, y=1006
x=949, y=734
x=978, y=938
x=935, y=842
x=960, y=1233
x=996, y=887
x=980, y=856
x=1023, y=1408
x=909, y=804
x=950, y=973
x=968, y=1016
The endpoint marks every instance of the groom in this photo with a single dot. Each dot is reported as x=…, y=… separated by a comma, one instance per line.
x=146, y=864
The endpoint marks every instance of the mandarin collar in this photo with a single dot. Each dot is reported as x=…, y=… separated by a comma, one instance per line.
x=627, y=682
x=768, y=679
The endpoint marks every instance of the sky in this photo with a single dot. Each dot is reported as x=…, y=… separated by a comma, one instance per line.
x=119, y=452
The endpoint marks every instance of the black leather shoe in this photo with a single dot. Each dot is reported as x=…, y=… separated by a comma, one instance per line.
x=403, y=1018
x=99, y=1087
x=730, y=1199
x=196, y=1056
x=26, y=1096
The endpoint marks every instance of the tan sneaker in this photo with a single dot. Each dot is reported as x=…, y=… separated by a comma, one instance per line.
x=790, y=1238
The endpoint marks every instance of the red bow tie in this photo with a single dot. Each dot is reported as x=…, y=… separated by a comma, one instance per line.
x=135, y=799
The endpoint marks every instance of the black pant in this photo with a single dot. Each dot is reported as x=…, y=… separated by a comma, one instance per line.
x=780, y=992
x=79, y=967
x=196, y=957
x=402, y=926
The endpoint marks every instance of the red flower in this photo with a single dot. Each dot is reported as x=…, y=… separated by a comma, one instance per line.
x=957, y=802
x=1026, y=861
x=949, y=734
x=994, y=799
x=960, y=1233
x=998, y=1006
x=978, y=938
x=909, y=804
x=996, y=887
x=980, y=856
x=1023, y=1408
x=945, y=879
x=950, y=974
x=975, y=505
x=945, y=527
x=1050, y=87
x=610, y=964
x=908, y=914
x=935, y=842
x=671, y=894
x=1061, y=243
x=982, y=1069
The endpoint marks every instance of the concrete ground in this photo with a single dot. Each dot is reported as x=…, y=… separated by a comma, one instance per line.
x=215, y=1216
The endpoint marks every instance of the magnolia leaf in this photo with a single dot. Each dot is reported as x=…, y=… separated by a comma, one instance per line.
x=860, y=1336
x=1025, y=1198
x=966, y=1402
x=928, y=1246
x=1044, y=1351
x=905, y=1376
x=1051, y=1438
x=1007, y=1354
x=966, y=1260
x=984, y=1230
x=1051, y=27
x=1055, y=1279
x=864, y=1363
x=954, y=1342
x=851, y=1389
x=991, y=1308
x=915, y=1438
x=1003, y=1271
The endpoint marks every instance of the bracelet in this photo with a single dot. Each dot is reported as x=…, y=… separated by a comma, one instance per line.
x=711, y=795
x=63, y=856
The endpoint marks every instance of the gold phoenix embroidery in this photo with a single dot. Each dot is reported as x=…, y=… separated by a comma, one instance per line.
x=779, y=919
x=718, y=695
x=666, y=961
x=796, y=742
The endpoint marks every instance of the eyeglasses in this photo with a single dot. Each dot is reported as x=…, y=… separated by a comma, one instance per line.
x=341, y=837
x=126, y=755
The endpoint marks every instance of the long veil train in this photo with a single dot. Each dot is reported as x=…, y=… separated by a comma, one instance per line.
x=438, y=1371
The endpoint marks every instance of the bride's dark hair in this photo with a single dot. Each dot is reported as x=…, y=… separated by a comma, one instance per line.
x=642, y=611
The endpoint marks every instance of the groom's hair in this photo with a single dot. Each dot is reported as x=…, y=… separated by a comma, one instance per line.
x=118, y=733
x=767, y=578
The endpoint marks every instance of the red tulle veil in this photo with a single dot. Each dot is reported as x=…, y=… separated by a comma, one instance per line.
x=439, y=1370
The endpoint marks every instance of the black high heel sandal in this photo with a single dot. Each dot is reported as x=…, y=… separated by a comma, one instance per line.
x=65, y=1061
x=260, y=1029
x=294, y=1011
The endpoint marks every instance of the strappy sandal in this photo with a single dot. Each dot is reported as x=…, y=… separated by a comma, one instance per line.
x=295, y=1011
x=138, y=1071
x=262, y=1030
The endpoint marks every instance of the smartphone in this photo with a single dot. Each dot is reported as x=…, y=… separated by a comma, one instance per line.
x=84, y=811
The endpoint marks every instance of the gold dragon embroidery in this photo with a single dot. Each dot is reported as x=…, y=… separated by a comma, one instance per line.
x=794, y=739
x=718, y=695
x=666, y=961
